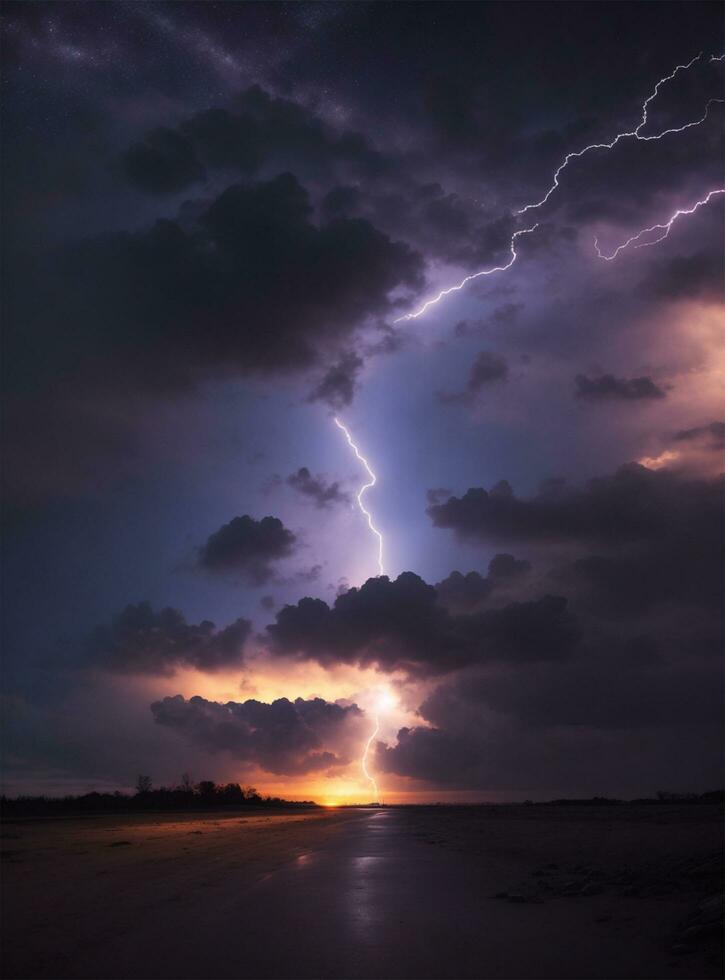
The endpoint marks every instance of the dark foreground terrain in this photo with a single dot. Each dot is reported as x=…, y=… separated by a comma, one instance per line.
x=496, y=892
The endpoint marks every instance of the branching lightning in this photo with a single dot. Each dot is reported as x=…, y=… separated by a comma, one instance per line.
x=364, y=761
x=636, y=134
x=631, y=134
x=361, y=491
x=634, y=240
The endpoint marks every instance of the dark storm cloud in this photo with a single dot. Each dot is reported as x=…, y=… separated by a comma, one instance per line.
x=284, y=737
x=506, y=568
x=164, y=162
x=402, y=625
x=493, y=117
x=687, y=276
x=253, y=282
x=607, y=387
x=711, y=435
x=141, y=641
x=431, y=754
x=599, y=723
x=486, y=115
x=248, y=547
x=317, y=488
x=277, y=273
x=261, y=131
x=637, y=704
x=639, y=697
x=257, y=130
x=631, y=505
x=245, y=283
x=337, y=386
x=463, y=593
x=443, y=225
x=682, y=571
x=628, y=688
x=450, y=229
x=638, y=542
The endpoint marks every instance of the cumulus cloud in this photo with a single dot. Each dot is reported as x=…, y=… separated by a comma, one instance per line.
x=324, y=494
x=228, y=259
x=607, y=387
x=245, y=283
x=633, y=504
x=637, y=701
x=284, y=737
x=636, y=540
x=503, y=568
x=463, y=593
x=401, y=625
x=616, y=723
x=141, y=641
x=248, y=547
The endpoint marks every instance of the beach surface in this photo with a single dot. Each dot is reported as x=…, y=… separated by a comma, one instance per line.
x=485, y=892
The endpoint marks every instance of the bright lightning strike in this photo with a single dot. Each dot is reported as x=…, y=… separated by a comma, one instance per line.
x=361, y=491
x=383, y=702
x=663, y=228
x=475, y=275
x=364, y=761
x=633, y=133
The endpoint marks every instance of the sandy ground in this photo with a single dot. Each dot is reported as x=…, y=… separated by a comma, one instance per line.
x=504, y=892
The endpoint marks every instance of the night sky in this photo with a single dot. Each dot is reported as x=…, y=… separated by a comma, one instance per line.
x=217, y=218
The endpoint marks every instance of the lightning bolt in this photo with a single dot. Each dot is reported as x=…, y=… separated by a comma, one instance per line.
x=475, y=275
x=636, y=134
x=373, y=480
x=664, y=228
x=364, y=760
x=361, y=491
x=631, y=134
x=634, y=241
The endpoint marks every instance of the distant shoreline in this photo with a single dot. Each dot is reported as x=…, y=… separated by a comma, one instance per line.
x=98, y=805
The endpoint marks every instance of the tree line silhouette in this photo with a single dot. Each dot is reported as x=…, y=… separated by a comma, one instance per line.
x=187, y=795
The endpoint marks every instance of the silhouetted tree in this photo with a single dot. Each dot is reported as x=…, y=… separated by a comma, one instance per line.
x=231, y=793
x=143, y=785
x=207, y=790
